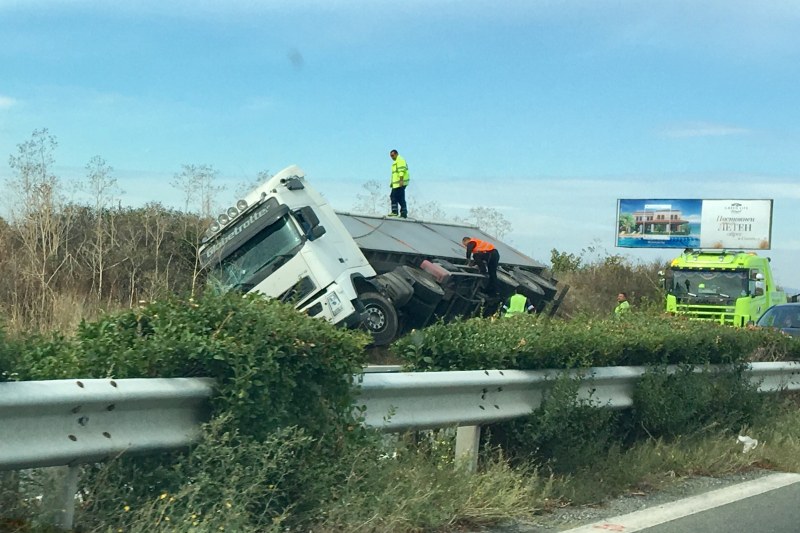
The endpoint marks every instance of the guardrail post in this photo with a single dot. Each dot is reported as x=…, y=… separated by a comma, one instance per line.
x=467, y=443
x=9, y=491
x=65, y=502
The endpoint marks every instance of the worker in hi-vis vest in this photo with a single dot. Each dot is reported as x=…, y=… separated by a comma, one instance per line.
x=399, y=183
x=486, y=257
x=623, y=306
x=518, y=304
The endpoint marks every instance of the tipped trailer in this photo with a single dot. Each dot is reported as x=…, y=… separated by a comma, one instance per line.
x=388, y=275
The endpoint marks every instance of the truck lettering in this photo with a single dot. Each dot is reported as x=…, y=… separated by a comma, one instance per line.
x=244, y=224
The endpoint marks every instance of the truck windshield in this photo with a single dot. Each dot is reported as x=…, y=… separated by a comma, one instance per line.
x=712, y=283
x=258, y=257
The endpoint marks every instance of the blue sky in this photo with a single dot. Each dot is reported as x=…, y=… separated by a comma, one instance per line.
x=546, y=110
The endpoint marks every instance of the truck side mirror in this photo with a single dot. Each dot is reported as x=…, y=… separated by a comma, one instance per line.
x=310, y=216
x=759, y=291
x=316, y=232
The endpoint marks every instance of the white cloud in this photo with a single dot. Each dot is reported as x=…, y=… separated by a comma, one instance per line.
x=7, y=102
x=703, y=129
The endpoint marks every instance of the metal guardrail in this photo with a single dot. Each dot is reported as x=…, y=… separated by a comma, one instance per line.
x=66, y=422
x=69, y=422
x=425, y=400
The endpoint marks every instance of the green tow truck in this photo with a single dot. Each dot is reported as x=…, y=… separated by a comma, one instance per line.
x=730, y=287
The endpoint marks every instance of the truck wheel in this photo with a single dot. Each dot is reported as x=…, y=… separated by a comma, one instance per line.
x=380, y=318
x=425, y=287
x=528, y=282
x=537, y=279
x=506, y=284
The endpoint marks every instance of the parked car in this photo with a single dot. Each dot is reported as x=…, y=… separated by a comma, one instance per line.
x=785, y=317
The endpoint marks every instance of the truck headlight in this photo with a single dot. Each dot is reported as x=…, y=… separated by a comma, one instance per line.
x=334, y=303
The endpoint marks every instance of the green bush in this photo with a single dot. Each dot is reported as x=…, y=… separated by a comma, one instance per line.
x=564, y=434
x=227, y=483
x=685, y=402
x=273, y=366
x=535, y=342
x=8, y=353
x=275, y=369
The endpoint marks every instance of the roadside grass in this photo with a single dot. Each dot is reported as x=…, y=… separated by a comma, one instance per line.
x=422, y=489
x=654, y=464
x=418, y=486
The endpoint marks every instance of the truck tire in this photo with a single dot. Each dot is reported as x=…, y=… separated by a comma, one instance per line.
x=380, y=318
x=506, y=283
x=542, y=282
x=426, y=289
x=528, y=283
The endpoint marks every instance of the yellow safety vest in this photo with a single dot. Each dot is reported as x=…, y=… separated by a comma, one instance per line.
x=516, y=305
x=400, y=174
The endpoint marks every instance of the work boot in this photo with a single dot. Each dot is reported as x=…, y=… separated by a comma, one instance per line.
x=392, y=215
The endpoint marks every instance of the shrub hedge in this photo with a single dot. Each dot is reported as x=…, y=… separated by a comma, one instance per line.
x=567, y=433
x=276, y=371
x=536, y=342
x=273, y=366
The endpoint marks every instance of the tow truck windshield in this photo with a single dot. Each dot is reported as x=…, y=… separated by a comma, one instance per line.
x=257, y=258
x=709, y=283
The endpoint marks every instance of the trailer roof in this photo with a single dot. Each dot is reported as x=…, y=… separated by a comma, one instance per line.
x=419, y=237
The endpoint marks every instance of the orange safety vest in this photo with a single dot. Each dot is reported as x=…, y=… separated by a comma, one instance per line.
x=481, y=246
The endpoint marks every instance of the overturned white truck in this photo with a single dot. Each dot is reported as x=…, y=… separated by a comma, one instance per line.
x=388, y=275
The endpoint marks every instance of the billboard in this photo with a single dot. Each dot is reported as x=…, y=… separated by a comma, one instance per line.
x=692, y=223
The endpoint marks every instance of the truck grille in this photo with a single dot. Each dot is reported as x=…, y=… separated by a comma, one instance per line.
x=716, y=313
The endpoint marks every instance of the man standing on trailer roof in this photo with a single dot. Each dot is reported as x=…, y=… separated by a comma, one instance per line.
x=486, y=257
x=399, y=183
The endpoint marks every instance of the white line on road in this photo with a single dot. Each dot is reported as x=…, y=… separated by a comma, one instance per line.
x=667, y=512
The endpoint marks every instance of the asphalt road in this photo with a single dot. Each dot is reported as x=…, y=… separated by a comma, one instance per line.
x=770, y=504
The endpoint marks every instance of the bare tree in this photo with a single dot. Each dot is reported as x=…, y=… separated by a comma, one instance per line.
x=37, y=210
x=246, y=186
x=490, y=220
x=431, y=210
x=196, y=182
x=373, y=201
x=103, y=188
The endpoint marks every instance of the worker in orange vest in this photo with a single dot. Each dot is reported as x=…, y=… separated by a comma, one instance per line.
x=486, y=257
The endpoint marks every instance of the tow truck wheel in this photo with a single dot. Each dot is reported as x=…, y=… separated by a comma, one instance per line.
x=380, y=318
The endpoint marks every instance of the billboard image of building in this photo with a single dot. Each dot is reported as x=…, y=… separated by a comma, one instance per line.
x=694, y=223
